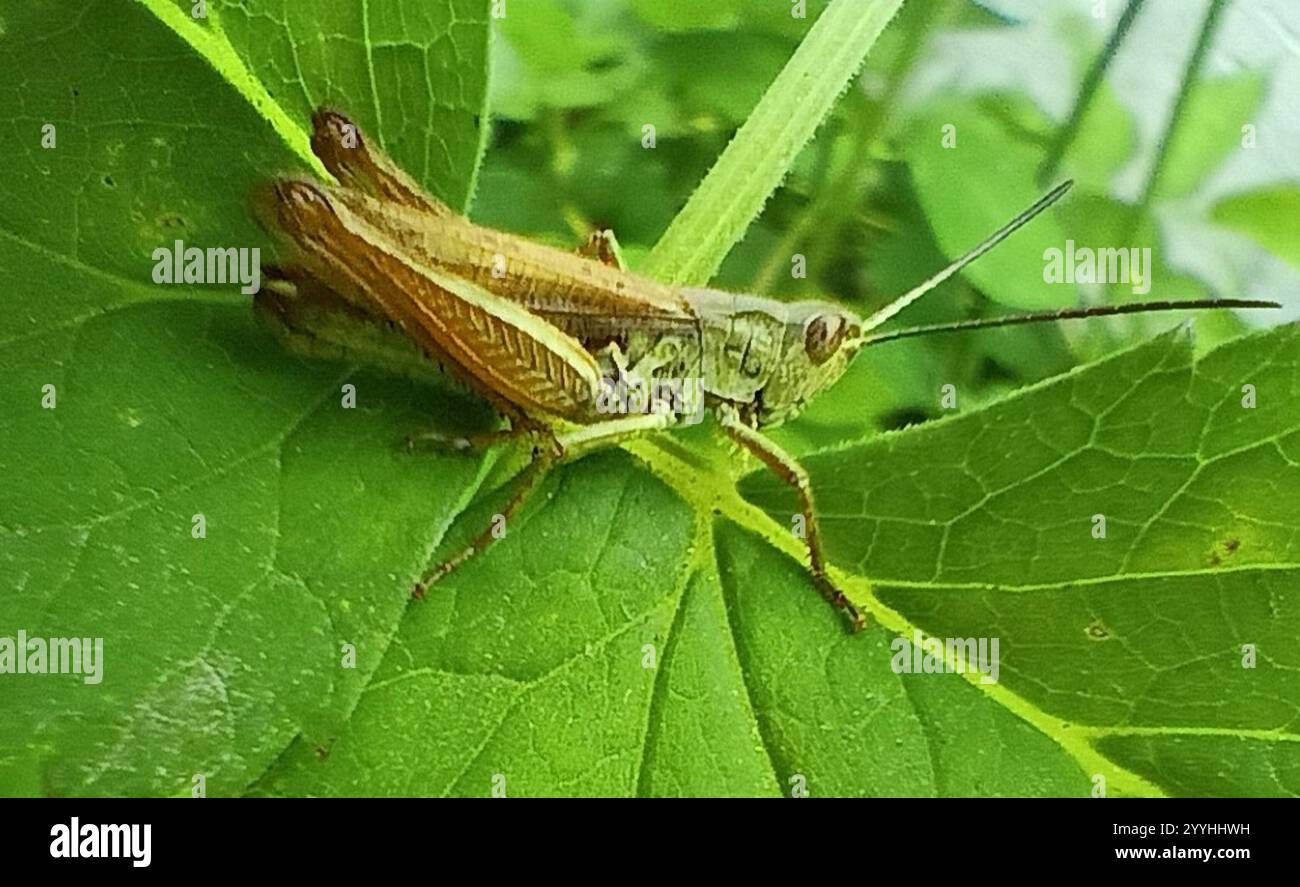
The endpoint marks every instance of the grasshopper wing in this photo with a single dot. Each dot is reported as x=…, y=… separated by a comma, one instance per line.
x=515, y=359
x=585, y=298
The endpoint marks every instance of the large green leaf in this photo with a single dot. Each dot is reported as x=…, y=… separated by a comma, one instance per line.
x=171, y=403
x=1120, y=657
x=642, y=628
x=1130, y=645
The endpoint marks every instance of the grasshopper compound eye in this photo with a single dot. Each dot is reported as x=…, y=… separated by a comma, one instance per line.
x=823, y=335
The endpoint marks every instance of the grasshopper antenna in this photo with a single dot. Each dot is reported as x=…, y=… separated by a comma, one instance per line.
x=1066, y=314
x=993, y=240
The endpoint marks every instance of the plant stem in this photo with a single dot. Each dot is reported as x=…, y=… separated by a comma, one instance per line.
x=753, y=165
x=1091, y=82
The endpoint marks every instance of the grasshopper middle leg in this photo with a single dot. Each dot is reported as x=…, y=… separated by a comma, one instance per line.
x=543, y=461
x=603, y=247
x=550, y=450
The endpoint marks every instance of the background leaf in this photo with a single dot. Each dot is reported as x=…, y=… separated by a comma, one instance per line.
x=1261, y=215
x=1211, y=128
x=995, y=169
x=718, y=213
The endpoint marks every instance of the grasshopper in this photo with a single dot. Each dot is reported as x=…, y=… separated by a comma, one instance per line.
x=541, y=333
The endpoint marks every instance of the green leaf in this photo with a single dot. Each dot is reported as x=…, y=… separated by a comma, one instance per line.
x=727, y=92
x=642, y=628
x=758, y=158
x=1103, y=143
x=966, y=188
x=548, y=56
x=170, y=402
x=1268, y=216
x=685, y=15
x=1119, y=657
x=1125, y=647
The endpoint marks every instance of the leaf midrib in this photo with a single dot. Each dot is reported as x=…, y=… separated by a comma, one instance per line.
x=707, y=497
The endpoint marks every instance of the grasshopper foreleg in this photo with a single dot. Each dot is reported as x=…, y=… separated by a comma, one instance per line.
x=786, y=467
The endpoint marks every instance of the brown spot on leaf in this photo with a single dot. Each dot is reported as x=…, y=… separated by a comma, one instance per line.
x=1097, y=631
x=1223, y=550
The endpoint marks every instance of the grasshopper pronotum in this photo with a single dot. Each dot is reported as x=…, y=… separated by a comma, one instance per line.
x=540, y=332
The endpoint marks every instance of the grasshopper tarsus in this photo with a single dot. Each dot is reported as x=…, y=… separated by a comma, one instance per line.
x=603, y=247
x=857, y=621
x=840, y=601
x=421, y=588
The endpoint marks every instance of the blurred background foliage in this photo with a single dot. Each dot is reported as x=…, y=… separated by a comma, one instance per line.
x=876, y=204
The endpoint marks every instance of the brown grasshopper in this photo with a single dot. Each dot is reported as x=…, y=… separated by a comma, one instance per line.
x=546, y=335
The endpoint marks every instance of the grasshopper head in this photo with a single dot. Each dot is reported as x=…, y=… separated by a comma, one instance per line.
x=769, y=358
x=819, y=342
